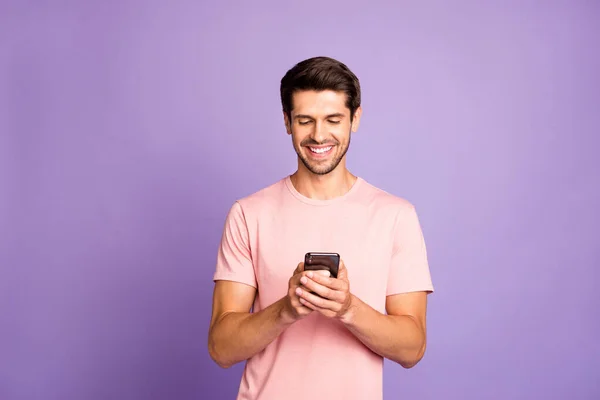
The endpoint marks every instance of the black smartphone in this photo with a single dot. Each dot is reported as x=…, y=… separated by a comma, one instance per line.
x=315, y=261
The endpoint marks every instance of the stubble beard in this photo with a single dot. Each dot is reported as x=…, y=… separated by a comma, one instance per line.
x=319, y=169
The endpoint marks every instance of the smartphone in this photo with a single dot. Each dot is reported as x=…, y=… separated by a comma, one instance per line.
x=315, y=261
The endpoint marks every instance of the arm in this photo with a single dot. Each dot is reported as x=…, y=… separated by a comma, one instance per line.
x=399, y=336
x=236, y=334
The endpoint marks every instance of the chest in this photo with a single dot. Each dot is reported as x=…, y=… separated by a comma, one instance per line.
x=363, y=239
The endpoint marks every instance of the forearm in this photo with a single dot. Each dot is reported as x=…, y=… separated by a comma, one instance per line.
x=236, y=336
x=398, y=338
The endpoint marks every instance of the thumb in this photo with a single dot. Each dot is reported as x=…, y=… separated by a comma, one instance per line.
x=299, y=268
x=342, y=271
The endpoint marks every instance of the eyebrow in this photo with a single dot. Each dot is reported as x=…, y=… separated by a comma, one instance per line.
x=335, y=115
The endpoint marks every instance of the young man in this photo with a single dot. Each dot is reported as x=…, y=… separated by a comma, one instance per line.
x=305, y=334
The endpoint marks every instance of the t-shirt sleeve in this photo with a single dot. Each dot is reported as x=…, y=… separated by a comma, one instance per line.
x=409, y=268
x=234, y=258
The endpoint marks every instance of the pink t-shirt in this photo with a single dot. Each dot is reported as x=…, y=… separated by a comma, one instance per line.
x=266, y=235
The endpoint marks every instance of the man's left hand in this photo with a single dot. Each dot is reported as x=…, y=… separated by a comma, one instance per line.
x=331, y=296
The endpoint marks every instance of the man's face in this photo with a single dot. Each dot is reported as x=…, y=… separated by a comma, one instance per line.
x=320, y=127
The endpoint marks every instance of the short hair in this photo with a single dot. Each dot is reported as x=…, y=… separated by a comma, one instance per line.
x=320, y=73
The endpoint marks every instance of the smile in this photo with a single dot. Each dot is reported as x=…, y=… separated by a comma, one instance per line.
x=320, y=150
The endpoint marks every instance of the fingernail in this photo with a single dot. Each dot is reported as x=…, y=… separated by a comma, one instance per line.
x=309, y=274
x=298, y=291
x=303, y=279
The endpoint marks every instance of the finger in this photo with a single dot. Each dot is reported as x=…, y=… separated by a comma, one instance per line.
x=299, y=307
x=302, y=309
x=326, y=313
x=342, y=271
x=308, y=305
x=317, y=301
x=293, y=296
x=298, y=276
x=331, y=283
x=299, y=268
x=324, y=271
x=321, y=290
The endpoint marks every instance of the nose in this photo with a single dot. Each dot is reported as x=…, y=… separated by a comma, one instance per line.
x=319, y=133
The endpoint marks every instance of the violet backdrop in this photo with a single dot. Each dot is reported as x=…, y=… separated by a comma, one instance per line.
x=127, y=129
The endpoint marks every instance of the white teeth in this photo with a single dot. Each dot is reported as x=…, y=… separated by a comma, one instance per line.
x=321, y=150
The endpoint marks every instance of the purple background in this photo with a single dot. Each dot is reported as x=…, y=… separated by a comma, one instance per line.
x=129, y=128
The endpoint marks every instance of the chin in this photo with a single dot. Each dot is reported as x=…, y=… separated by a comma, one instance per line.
x=320, y=169
x=321, y=172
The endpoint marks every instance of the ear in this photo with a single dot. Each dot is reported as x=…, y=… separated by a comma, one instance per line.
x=356, y=119
x=288, y=124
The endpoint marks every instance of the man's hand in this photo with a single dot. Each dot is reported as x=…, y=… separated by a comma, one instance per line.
x=293, y=309
x=236, y=334
x=331, y=297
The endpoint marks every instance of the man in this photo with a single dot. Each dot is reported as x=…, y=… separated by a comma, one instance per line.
x=305, y=334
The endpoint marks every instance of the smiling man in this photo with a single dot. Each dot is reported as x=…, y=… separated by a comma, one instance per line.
x=307, y=334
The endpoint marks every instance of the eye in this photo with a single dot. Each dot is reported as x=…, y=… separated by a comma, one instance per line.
x=331, y=121
x=304, y=122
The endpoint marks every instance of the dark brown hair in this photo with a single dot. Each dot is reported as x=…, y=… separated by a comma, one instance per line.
x=320, y=73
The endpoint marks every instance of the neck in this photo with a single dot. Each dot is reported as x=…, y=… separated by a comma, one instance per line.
x=323, y=187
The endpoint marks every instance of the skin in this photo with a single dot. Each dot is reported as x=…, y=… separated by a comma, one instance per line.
x=321, y=119
x=236, y=334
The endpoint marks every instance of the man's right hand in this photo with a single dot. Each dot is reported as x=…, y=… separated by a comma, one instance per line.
x=232, y=319
x=293, y=310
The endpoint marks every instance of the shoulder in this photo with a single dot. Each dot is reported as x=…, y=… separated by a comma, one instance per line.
x=384, y=200
x=398, y=211
x=261, y=199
